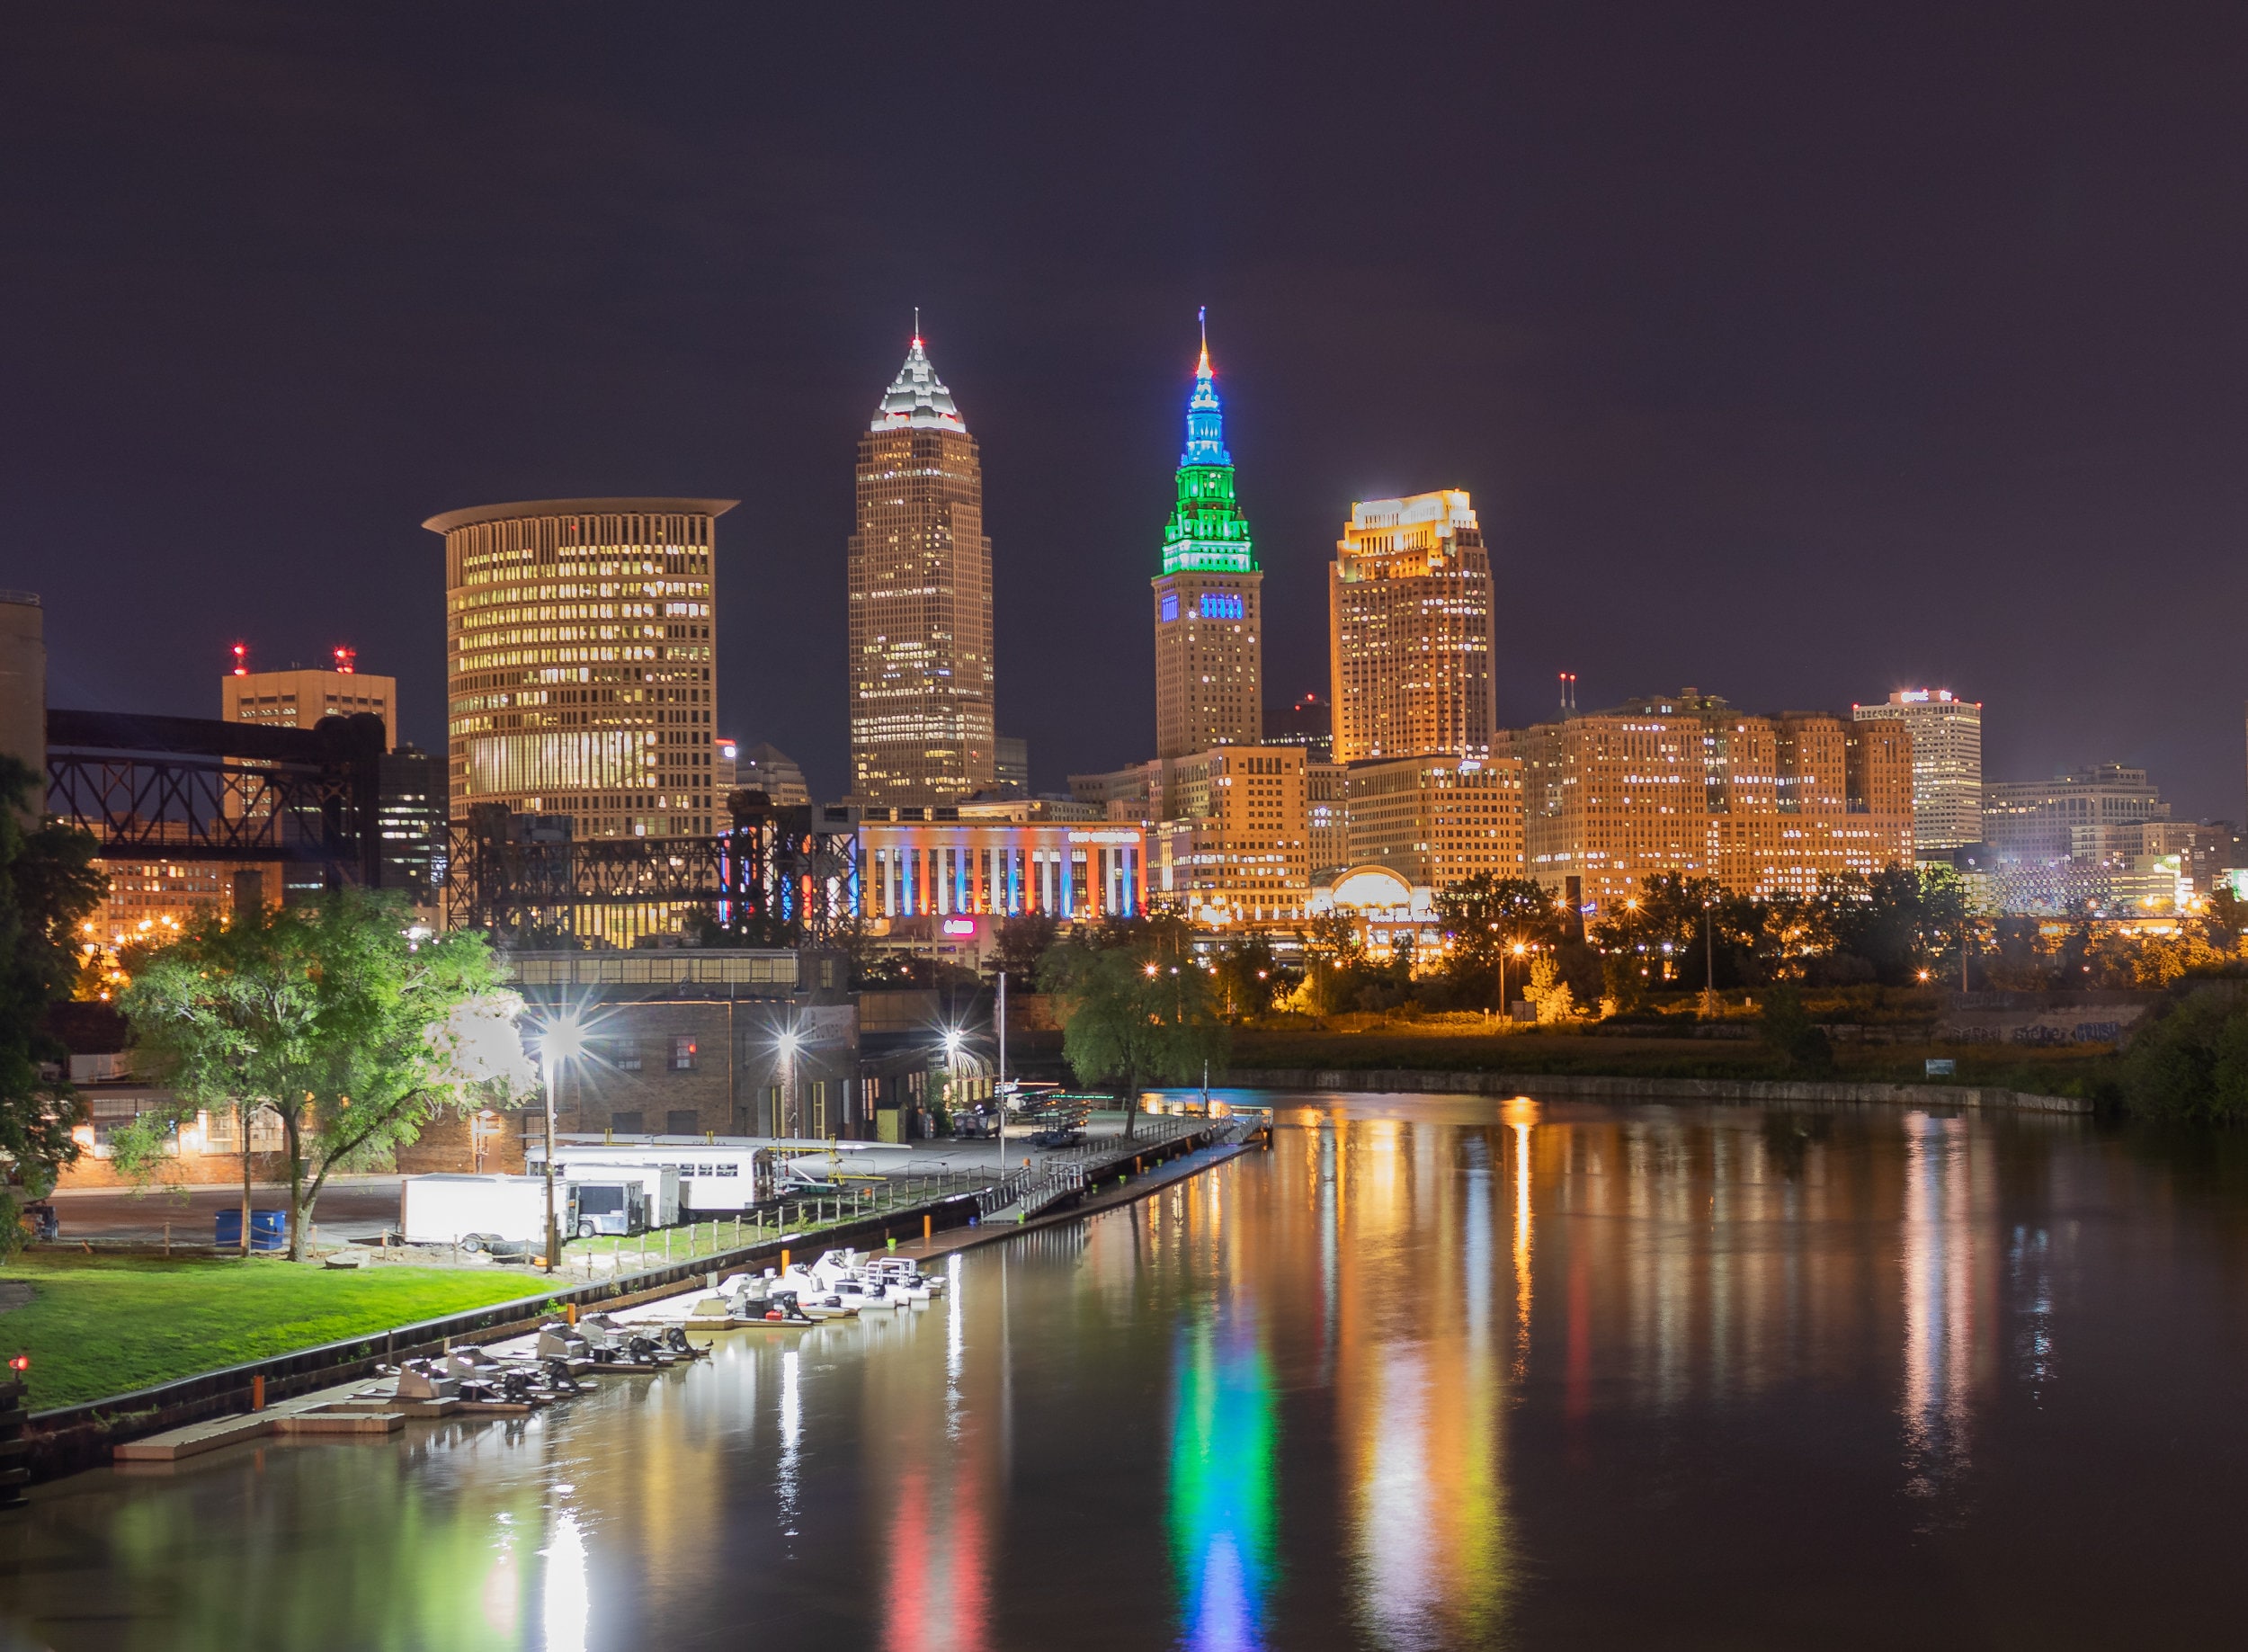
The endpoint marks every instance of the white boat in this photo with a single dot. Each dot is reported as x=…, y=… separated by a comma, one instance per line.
x=834, y=1269
x=816, y=1297
x=902, y=1274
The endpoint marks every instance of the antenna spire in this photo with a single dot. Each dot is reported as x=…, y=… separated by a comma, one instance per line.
x=917, y=324
x=1201, y=316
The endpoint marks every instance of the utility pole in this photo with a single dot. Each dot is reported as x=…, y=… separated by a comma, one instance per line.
x=1002, y=1074
x=546, y=1061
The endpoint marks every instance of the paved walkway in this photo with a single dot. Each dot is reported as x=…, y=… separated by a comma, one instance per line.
x=1107, y=1199
x=353, y=1208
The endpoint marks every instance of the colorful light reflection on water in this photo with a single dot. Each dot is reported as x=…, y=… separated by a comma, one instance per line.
x=1225, y=1474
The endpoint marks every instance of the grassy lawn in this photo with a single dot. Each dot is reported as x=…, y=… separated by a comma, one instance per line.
x=101, y=1324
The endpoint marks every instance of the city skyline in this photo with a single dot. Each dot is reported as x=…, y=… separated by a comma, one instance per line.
x=1887, y=457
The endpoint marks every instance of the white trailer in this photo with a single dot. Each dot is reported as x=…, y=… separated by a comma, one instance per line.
x=449, y=1210
x=659, y=1185
x=720, y=1177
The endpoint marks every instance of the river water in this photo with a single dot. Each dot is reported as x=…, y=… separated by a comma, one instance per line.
x=1433, y=1372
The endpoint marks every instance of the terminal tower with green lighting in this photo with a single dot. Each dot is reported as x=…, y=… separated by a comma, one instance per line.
x=1208, y=662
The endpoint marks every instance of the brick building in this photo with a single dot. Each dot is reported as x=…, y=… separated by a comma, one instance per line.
x=1685, y=782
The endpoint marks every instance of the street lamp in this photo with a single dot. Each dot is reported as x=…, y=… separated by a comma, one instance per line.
x=563, y=1040
x=1518, y=950
x=787, y=1082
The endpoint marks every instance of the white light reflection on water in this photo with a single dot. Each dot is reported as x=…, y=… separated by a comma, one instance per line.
x=1938, y=1263
x=567, y=1603
x=954, y=1342
x=1396, y=1567
x=785, y=1486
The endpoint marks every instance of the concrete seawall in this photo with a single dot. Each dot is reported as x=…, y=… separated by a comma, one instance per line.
x=1592, y=1086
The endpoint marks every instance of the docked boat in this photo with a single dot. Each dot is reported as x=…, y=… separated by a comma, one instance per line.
x=838, y=1272
x=754, y=1303
x=818, y=1298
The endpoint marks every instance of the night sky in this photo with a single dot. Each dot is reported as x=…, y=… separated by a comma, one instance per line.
x=1795, y=352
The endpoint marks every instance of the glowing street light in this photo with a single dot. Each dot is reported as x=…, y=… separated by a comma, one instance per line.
x=788, y=1043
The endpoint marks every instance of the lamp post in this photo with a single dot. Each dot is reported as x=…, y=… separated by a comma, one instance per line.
x=562, y=1041
x=1000, y=1093
x=952, y=1076
x=781, y=1126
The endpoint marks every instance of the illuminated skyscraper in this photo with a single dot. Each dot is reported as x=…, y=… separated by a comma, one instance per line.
x=920, y=573
x=1209, y=661
x=1946, y=762
x=580, y=665
x=1409, y=630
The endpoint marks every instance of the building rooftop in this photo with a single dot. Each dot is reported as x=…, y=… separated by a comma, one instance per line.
x=917, y=398
x=523, y=508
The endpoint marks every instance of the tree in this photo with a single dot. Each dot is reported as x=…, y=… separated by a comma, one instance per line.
x=1024, y=940
x=47, y=884
x=1335, y=963
x=1789, y=1032
x=1246, y=976
x=353, y=1033
x=2190, y=1065
x=1492, y=924
x=1132, y=1014
x=1900, y=923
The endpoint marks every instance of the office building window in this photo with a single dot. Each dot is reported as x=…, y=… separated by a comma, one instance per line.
x=683, y=1053
x=625, y=1123
x=682, y=1121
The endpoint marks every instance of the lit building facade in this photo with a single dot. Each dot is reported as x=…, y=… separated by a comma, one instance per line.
x=414, y=820
x=1409, y=610
x=1686, y=783
x=1233, y=841
x=922, y=708
x=300, y=699
x=1209, y=660
x=766, y=768
x=1011, y=768
x=1438, y=821
x=1309, y=723
x=2088, y=814
x=1328, y=816
x=581, y=664
x=947, y=867
x=1946, y=762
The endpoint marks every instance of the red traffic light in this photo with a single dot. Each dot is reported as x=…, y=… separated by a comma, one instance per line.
x=23, y=1361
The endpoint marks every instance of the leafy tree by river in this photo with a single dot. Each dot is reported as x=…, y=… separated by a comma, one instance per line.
x=1135, y=1008
x=2191, y=1064
x=350, y=1028
x=47, y=885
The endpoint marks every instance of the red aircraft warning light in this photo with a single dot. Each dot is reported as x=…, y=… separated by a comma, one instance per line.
x=347, y=660
x=242, y=659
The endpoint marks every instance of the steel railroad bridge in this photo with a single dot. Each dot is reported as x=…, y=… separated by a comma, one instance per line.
x=779, y=876
x=198, y=789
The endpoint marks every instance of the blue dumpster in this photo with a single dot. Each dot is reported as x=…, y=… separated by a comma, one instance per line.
x=268, y=1231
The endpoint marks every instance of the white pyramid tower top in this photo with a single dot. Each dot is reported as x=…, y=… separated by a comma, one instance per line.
x=917, y=398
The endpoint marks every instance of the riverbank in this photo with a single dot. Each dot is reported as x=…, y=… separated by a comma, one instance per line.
x=106, y=1323
x=1627, y=1087
x=1730, y=1056
x=63, y=1438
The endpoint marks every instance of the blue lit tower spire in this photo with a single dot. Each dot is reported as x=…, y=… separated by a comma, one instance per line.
x=1206, y=530
x=1208, y=663
x=1205, y=418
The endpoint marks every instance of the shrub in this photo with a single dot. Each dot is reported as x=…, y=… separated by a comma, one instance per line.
x=2191, y=1065
x=1789, y=1031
